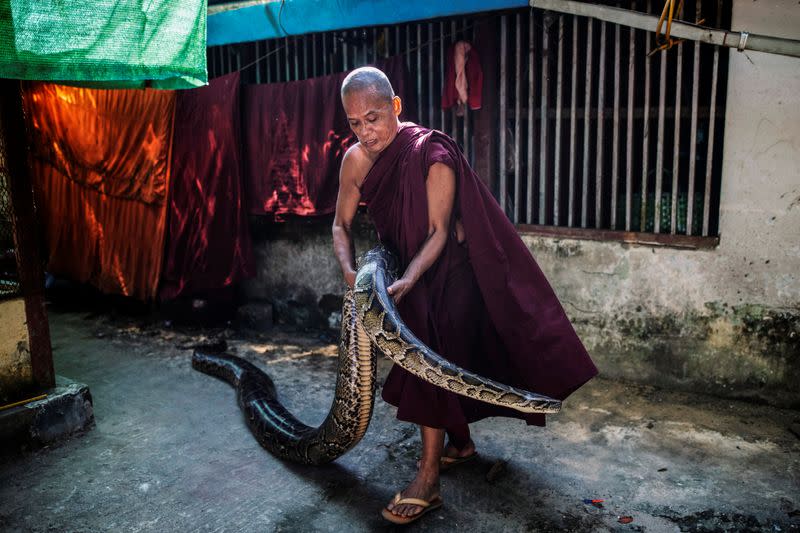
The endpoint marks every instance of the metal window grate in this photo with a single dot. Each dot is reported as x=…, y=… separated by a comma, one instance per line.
x=9, y=280
x=590, y=132
x=616, y=140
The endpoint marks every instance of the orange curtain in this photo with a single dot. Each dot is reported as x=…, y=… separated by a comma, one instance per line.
x=100, y=161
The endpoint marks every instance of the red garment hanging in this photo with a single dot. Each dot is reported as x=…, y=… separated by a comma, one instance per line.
x=208, y=243
x=100, y=165
x=295, y=135
x=463, y=81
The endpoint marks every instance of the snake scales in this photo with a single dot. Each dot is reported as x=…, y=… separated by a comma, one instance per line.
x=370, y=324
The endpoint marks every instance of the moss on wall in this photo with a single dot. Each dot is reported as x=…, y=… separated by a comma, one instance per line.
x=747, y=351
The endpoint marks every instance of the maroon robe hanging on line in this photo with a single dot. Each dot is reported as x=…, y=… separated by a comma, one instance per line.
x=483, y=304
x=208, y=241
x=295, y=136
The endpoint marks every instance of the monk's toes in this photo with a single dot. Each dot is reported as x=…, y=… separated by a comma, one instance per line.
x=411, y=510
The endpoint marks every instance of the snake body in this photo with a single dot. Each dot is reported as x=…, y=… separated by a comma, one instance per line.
x=370, y=324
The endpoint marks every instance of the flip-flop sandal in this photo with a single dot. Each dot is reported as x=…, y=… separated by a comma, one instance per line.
x=446, y=463
x=427, y=505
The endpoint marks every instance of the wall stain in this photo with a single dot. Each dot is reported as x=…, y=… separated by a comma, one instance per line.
x=747, y=351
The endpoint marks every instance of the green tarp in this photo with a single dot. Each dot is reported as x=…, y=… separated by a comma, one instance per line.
x=105, y=43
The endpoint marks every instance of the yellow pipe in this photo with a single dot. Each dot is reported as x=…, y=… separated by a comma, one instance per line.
x=23, y=402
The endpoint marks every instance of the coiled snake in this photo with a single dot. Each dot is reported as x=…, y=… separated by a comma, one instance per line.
x=370, y=324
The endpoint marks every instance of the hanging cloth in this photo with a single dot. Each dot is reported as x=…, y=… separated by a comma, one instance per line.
x=463, y=83
x=100, y=165
x=208, y=243
x=108, y=43
x=296, y=134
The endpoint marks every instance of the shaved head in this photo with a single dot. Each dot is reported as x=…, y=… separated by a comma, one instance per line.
x=368, y=79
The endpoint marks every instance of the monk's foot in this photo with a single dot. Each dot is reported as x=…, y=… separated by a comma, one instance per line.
x=424, y=487
x=451, y=452
x=455, y=453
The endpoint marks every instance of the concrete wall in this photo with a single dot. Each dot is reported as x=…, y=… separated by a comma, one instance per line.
x=297, y=272
x=725, y=320
x=15, y=356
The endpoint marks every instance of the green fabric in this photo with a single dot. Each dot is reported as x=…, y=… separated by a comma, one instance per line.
x=105, y=43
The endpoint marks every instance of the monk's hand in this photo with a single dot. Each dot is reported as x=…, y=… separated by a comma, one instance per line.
x=350, y=278
x=399, y=288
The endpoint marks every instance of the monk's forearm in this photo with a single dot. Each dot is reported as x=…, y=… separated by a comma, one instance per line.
x=427, y=255
x=344, y=249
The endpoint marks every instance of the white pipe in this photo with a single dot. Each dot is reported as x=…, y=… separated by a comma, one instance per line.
x=681, y=30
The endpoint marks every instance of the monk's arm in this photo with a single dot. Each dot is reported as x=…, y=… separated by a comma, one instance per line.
x=441, y=192
x=346, y=206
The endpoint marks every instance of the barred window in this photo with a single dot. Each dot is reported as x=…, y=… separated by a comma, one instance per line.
x=581, y=127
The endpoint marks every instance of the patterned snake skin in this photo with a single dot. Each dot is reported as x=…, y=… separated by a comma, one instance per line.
x=370, y=324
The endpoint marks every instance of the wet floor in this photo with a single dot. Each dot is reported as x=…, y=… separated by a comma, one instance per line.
x=170, y=452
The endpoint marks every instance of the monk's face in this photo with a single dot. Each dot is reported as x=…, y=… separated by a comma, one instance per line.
x=372, y=118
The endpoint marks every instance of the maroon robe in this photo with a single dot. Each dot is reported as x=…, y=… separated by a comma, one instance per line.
x=484, y=304
x=208, y=241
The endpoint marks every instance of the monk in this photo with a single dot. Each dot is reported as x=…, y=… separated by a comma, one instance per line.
x=469, y=287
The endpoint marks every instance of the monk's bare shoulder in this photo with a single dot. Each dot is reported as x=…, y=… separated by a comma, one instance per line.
x=355, y=165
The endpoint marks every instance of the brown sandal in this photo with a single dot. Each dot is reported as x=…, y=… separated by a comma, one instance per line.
x=446, y=463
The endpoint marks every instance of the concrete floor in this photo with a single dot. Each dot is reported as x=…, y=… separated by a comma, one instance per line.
x=170, y=452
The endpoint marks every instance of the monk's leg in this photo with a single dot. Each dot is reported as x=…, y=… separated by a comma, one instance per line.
x=426, y=484
x=459, y=443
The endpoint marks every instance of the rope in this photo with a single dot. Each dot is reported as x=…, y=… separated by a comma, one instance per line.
x=665, y=41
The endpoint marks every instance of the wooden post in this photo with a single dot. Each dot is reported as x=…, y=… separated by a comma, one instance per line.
x=29, y=266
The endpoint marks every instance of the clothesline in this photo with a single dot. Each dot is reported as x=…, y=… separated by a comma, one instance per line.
x=260, y=58
x=542, y=25
x=407, y=51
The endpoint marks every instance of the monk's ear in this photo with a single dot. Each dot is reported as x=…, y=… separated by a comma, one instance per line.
x=397, y=105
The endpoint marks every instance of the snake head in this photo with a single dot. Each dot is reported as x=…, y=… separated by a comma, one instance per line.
x=365, y=277
x=381, y=257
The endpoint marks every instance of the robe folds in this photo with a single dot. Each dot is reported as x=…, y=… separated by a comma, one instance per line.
x=100, y=165
x=208, y=244
x=484, y=304
x=295, y=135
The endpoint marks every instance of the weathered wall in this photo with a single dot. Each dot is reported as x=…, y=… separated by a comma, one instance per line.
x=725, y=320
x=297, y=271
x=678, y=318
x=15, y=357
